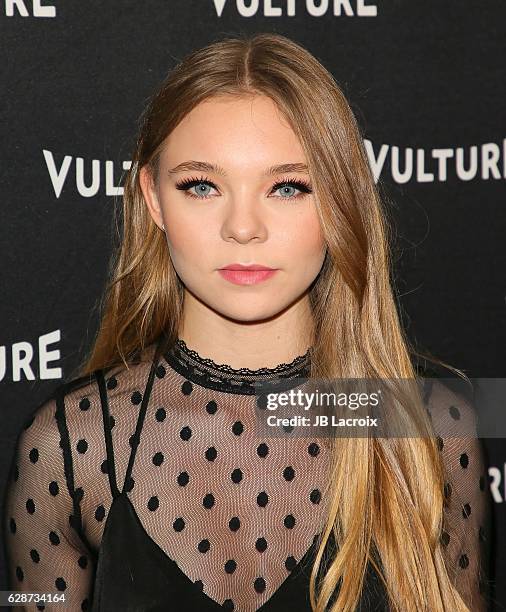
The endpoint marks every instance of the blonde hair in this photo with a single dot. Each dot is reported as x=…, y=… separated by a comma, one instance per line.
x=386, y=494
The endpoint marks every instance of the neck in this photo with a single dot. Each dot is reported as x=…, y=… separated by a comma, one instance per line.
x=251, y=344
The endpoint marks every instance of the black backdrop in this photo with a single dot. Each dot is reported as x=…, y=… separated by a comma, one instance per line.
x=425, y=79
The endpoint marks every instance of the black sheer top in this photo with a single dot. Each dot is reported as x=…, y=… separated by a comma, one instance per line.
x=148, y=489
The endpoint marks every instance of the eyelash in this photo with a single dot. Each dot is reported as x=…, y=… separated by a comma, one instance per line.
x=188, y=183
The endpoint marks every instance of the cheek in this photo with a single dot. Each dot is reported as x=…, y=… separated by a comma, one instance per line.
x=190, y=244
x=303, y=239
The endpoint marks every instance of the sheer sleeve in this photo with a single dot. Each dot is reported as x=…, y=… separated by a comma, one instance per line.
x=467, y=509
x=44, y=550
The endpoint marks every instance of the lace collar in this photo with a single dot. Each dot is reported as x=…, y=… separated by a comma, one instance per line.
x=222, y=377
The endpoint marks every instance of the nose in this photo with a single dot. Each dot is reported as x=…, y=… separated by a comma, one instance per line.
x=243, y=220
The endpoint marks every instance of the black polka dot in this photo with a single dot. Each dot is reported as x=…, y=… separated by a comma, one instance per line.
x=153, y=503
x=466, y=510
x=288, y=428
x=100, y=513
x=236, y=475
x=84, y=404
x=83, y=562
x=136, y=397
x=230, y=566
x=112, y=423
x=262, y=401
x=234, y=523
x=30, y=506
x=34, y=455
x=315, y=496
x=259, y=585
x=445, y=538
x=133, y=440
x=60, y=584
x=262, y=450
x=178, y=524
x=112, y=383
x=104, y=466
x=262, y=499
x=199, y=584
x=53, y=538
x=290, y=563
x=454, y=413
x=183, y=479
x=85, y=604
x=19, y=573
x=158, y=458
x=463, y=561
x=208, y=501
x=16, y=472
x=78, y=494
x=261, y=544
x=289, y=521
x=482, y=483
x=313, y=449
x=12, y=525
x=186, y=387
x=160, y=371
x=185, y=433
x=288, y=473
x=211, y=453
x=440, y=443
x=34, y=555
x=464, y=460
x=53, y=488
x=204, y=546
x=238, y=428
x=82, y=446
x=160, y=414
x=228, y=604
x=129, y=484
x=211, y=407
x=40, y=607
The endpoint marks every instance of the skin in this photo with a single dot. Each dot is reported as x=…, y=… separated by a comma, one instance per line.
x=241, y=220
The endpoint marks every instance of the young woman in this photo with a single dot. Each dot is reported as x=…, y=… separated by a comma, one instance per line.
x=143, y=484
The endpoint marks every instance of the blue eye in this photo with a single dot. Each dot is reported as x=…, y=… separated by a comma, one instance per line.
x=202, y=193
x=188, y=184
x=301, y=186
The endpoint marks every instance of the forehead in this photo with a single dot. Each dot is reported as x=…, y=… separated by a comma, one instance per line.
x=233, y=132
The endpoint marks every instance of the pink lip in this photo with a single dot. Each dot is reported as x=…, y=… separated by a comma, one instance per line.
x=238, y=266
x=246, y=275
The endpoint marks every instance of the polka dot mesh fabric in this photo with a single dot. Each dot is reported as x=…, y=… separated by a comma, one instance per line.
x=228, y=507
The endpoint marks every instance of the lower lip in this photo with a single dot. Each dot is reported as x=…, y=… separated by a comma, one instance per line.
x=246, y=277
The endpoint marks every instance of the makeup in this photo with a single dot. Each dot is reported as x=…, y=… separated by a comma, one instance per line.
x=246, y=275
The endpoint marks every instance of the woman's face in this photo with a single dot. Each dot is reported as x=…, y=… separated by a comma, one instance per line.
x=236, y=213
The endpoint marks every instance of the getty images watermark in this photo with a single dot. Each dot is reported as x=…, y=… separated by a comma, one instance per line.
x=310, y=401
x=360, y=407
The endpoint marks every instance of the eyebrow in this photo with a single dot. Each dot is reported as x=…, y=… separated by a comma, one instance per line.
x=200, y=166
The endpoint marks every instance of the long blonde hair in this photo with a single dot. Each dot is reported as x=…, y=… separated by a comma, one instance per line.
x=386, y=495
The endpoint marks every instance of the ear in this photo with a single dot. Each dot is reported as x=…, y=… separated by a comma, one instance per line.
x=150, y=195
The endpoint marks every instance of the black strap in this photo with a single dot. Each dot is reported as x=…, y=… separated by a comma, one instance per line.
x=75, y=519
x=111, y=470
x=136, y=438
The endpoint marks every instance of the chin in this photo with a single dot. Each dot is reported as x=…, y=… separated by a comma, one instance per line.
x=249, y=313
